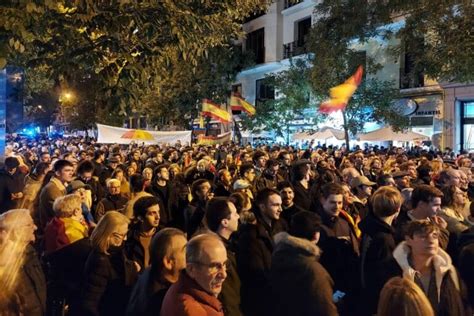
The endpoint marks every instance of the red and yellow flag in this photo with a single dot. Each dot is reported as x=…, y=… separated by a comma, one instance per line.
x=341, y=94
x=210, y=109
x=213, y=140
x=239, y=104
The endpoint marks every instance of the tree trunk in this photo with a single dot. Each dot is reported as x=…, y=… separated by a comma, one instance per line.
x=346, y=130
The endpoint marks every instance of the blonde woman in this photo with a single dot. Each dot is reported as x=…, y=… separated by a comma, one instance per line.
x=402, y=297
x=108, y=274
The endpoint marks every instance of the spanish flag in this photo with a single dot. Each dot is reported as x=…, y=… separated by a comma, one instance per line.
x=341, y=94
x=210, y=109
x=239, y=104
x=214, y=140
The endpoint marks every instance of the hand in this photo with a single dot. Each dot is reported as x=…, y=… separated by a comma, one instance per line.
x=438, y=220
x=137, y=266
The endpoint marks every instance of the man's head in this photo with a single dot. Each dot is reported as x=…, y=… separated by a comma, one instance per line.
x=385, y=180
x=201, y=189
x=260, y=159
x=99, y=156
x=402, y=180
x=349, y=173
x=386, y=201
x=422, y=238
x=162, y=173
x=11, y=164
x=362, y=186
x=247, y=172
x=410, y=168
x=225, y=177
x=306, y=225
x=113, y=186
x=285, y=158
x=426, y=200
x=147, y=211
x=17, y=226
x=168, y=252
x=269, y=203
x=287, y=193
x=206, y=260
x=63, y=170
x=331, y=198
x=45, y=157
x=449, y=177
x=221, y=214
x=137, y=183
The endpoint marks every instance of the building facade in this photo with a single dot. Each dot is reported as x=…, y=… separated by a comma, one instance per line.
x=445, y=112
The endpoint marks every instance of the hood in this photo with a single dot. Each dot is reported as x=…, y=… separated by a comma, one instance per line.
x=284, y=240
x=442, y=264
x=371, y=225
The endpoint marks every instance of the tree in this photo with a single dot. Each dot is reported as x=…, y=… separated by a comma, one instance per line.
x=336, y=58
x=130, y=48
x=438, y=34
x=293, y=96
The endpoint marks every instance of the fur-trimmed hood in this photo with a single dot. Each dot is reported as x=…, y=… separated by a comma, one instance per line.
x=442, y=264
x=284, y=240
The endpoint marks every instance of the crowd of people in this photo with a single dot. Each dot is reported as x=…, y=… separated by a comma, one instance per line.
x=101, y=229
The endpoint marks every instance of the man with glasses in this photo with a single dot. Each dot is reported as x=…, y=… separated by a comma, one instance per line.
x=113, y=201
x=201, y=282
x=421, y=260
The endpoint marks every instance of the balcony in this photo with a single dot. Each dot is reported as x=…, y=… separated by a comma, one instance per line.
x=411, y=80
x=290, y=3
x=293, y=49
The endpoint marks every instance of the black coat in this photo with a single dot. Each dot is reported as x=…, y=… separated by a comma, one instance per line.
x=230, y=294
x=377, y=263
x=9, y=184
x=105, y=290
x=147, y=295
x=133, y=247
x=299, y=283
x=302, y=196
x=254, y=257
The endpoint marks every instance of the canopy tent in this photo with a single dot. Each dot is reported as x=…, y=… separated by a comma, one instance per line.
x=301, y=136
x=327, y=133
x=387, y=134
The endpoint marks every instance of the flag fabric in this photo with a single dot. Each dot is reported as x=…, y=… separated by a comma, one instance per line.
x=201, y=121
x=341, y=94
x=210, y=109
x=239, y=104
x=214, y=140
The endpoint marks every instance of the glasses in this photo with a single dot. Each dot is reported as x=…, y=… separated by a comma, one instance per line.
x=214, y=267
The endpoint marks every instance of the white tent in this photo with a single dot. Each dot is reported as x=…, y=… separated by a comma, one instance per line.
x=387, y=134
x=327, y=133
x=301, y=136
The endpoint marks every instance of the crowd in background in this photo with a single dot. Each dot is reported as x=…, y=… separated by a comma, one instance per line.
x=101, y=229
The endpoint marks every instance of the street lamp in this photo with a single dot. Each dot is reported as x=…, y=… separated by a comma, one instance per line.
x=66, y=96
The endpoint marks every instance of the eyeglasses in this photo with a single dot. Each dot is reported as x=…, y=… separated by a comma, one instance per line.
x=214, y=267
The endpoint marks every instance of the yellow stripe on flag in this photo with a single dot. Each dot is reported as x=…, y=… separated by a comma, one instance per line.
x=212, y=110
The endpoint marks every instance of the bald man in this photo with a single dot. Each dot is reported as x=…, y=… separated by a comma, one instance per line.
x=200, y=283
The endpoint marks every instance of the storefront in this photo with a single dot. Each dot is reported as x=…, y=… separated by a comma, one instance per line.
x=428, y=117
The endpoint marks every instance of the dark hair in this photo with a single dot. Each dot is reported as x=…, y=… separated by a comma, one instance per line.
x=161, y=246
x=11, y=163
x=416, y=227
x=98, y=153
x=425, y=193
x=136, y=182
x=245, y=167
x=238, y=198
x=448, y=195
x=305, y=224
x=85, y=166
x=382, y=180
x=264, y=194
x=283, y=185
x=141, y=205
x=217, y=209
x=159, y=167
x=299, y=170
x=329, y=189
x=61, y=163
x=40, y=168
x=196, y=184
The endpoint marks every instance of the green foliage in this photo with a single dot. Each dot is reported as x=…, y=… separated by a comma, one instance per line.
x=437, y=33
x=132, y=50
x=293, y=97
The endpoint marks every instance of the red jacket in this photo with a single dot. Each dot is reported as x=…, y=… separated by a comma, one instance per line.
x=187, y=298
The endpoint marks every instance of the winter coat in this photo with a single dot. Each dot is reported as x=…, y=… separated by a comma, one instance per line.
x=300, y=285
x=50, y=192
x=230, y=294
x=187, y=298
x=377, y=265
x=254, y=257
x=9, y=184
x=148, y=294
x=134, y=248
x=31, y=190
x=110, y=203
x=31, y=285
x=302, y=196
x=105, y=290
x=447, y=282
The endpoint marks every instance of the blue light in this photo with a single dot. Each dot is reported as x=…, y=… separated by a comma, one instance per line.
x=30, y=131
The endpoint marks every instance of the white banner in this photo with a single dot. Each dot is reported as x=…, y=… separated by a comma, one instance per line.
x=117, y=135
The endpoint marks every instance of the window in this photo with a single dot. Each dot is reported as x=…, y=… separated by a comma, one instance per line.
x=303, y=28
x=411, y=74
x=264, y=91
x=255, y=43
x=467, y=123
x=290, y=3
